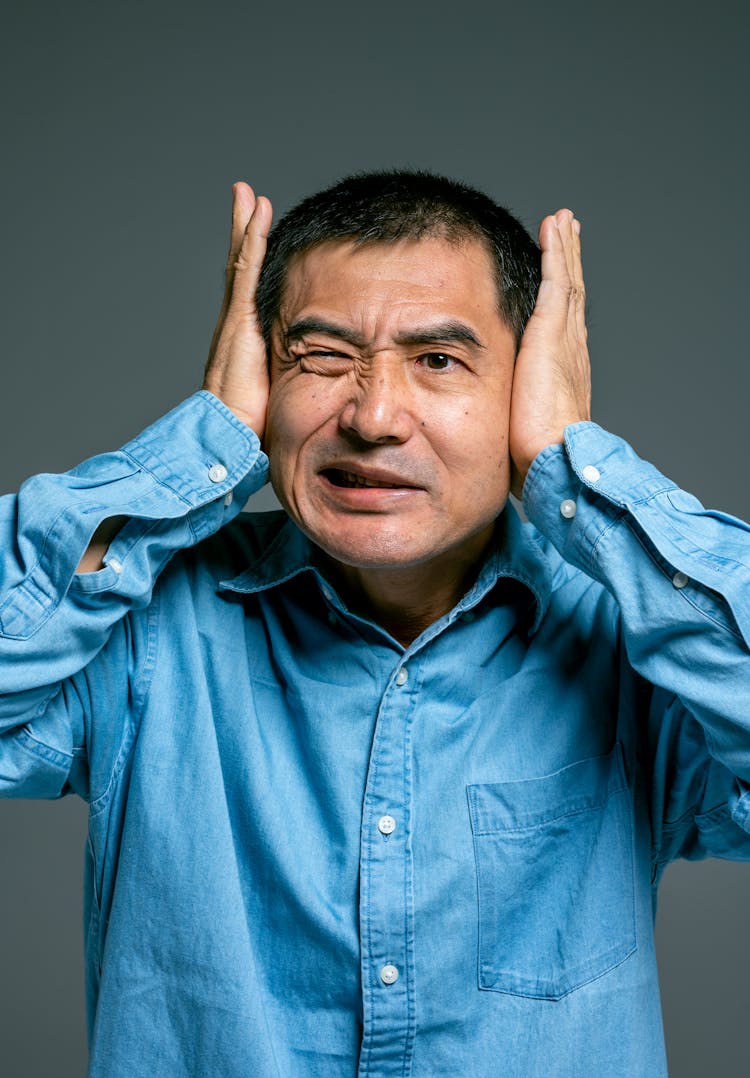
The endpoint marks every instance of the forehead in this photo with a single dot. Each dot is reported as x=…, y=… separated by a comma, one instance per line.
x=388, y=281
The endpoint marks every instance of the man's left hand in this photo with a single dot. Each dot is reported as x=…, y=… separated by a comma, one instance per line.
x=552, y=377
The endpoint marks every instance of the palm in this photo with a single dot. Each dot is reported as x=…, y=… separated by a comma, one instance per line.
x=552, y=378
x=237, y=368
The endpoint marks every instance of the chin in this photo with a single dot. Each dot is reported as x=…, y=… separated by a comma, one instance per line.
x=391, y=552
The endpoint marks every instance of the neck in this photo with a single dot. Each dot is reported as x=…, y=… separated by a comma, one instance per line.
x=406, y=600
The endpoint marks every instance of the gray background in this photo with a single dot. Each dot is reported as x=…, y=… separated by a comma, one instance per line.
x=123, y=129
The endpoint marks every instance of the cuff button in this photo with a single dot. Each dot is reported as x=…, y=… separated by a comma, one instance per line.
x=217, y=473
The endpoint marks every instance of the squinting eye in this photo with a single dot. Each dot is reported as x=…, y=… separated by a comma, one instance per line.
x=321, y=361
x=437, y=361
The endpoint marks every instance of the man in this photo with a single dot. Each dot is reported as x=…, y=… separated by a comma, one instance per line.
x=383, y=784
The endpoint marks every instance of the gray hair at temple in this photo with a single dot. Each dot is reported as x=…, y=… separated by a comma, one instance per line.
x=384, y=207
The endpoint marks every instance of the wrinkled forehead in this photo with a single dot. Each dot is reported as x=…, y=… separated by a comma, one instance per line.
x=376, y=286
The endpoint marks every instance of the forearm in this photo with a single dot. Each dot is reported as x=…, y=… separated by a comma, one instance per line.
x=680, y=575
x=93, y=559
x=118, y=518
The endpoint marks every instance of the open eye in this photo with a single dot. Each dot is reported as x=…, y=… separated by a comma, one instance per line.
x=437, y=361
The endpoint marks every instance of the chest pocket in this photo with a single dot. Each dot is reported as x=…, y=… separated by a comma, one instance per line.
x=554, y=860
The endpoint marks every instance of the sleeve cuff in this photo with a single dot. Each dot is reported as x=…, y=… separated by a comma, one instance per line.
x=199, y=450
x=580, y=494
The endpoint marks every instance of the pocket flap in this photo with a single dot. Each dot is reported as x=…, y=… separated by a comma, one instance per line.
x=528, y=803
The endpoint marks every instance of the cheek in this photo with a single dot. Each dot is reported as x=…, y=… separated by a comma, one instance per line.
x=300, y=414
x=476, y=426
x=295, y=412
x=473, y=444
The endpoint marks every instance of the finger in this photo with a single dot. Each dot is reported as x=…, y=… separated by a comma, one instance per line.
x=570, y=230
x=564, y=220
x=554, y=291
x=243, y=204
x=570, y=234
x=249, y=259
x=575, y=248
x=579, y=282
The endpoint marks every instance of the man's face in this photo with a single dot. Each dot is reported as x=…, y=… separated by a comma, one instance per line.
x=388, y=416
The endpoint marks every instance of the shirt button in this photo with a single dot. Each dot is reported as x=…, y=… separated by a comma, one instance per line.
x=228, y=498
x=568, y=508
x=591, y=474
x=386, y=825
x=679, y=580
x=115, y=565
x=389, y=974
x=217, y=473
x=402, y=676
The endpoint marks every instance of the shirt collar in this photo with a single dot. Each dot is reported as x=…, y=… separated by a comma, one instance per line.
x=515, y=554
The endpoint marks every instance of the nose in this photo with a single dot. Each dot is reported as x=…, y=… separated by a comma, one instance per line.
x=379, y=410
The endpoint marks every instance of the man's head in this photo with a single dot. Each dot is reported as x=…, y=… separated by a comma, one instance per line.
x=384, y=207
x=392, y=348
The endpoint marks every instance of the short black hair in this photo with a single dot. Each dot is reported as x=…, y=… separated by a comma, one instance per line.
x=386, y=206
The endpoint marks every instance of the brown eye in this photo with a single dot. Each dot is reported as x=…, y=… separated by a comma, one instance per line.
x=438, y=361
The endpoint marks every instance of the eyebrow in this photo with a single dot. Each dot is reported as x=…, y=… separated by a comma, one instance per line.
x=300, y=329
x=450, y=332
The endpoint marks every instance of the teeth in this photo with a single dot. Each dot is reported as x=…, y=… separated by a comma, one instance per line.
x=351, y=479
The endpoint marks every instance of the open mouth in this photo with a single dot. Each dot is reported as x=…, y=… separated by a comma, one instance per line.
x=340, y=478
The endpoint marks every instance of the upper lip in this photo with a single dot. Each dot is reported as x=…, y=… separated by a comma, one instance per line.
x=370, y=472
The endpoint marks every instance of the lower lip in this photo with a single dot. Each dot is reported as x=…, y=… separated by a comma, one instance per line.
x=369, y=499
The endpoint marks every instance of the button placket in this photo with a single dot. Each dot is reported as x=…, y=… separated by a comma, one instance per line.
x=386, y=880
x=386, y=825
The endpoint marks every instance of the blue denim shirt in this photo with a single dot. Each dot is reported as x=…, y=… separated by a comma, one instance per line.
x=313, y=852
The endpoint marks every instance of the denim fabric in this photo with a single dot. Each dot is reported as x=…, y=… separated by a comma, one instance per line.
x=313, y=852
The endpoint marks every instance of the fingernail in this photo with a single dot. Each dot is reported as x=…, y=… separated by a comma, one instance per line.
x=576, y=226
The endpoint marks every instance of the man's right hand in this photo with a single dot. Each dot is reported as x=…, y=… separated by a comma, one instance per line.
x=237, y=368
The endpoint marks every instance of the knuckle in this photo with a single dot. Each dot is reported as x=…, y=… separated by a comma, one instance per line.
x=242, y=263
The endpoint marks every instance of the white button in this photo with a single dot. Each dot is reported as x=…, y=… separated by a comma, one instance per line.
x=591, y=474
x=389, y=974
x=402, y=676
x=568, y=508
x=228, y=498
x=680, y=580
x=217, y=473
x=113, y=563
x=386, y=825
